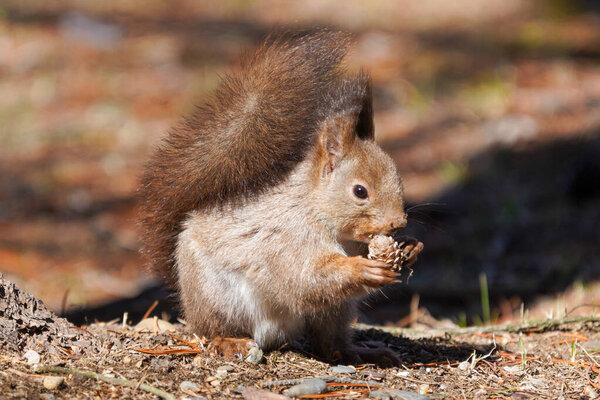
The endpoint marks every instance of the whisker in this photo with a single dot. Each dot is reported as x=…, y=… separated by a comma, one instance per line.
x=425, y=205
x=428, y=223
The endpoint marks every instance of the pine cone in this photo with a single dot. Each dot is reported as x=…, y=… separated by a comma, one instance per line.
x=398, y=254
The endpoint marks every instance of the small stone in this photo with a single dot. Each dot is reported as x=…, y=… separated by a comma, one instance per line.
x=216, y=383
x=32, y=356
x=187, y=385
x=309, y=386
x=221, y=374
x=47, y=396
x=53, y=382
x=343, y=369
x=393, y=394
x=514, y=370
x=159, y=364
x=463, y=366
x=254, y=356
x=368, y=374
x=126, y=360
x=226, y=368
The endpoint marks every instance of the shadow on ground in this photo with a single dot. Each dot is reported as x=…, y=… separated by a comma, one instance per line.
x=527, y=217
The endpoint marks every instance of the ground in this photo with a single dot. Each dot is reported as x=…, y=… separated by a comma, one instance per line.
x=532, y=359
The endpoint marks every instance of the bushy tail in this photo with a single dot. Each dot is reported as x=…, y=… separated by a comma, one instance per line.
x=248, y=137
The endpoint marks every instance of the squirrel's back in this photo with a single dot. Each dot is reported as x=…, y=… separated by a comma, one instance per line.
x=253, y=131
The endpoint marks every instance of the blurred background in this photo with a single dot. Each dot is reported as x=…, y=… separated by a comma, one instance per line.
x=491, y=110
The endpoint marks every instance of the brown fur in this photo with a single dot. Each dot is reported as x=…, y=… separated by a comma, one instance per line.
x=245, y=205
x=258, y=125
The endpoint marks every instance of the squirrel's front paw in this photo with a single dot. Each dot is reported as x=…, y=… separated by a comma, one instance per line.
x=371, y=273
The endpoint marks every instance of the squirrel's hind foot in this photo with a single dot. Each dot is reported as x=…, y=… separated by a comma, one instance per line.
x=231, y=347
x=355, y=355
x=381, y=356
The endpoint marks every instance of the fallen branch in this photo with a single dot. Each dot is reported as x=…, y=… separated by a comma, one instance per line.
x=107, y=379
x=163, y=351
x=334, y=379
x=511, y=327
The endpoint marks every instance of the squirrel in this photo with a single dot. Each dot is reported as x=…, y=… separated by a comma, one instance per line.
x=247, y=204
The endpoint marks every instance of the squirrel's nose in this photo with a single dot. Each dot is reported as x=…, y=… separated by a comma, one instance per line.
x=398, y=222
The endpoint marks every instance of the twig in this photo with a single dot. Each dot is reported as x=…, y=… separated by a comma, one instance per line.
x=149, y=310
x=108, y=379
x=335, y=379
x=83, y=330
x=588, y=354
x=512, y=327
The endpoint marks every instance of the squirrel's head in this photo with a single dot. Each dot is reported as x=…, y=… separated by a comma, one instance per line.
x=358, y=183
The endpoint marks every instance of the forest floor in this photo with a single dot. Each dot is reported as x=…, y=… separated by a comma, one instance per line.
x=46, y=357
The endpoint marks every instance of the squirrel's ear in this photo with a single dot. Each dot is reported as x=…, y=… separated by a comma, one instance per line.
x=365, y=128
x=336, y=139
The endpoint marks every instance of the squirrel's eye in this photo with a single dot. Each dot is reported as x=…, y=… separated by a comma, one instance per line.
x=360, y=191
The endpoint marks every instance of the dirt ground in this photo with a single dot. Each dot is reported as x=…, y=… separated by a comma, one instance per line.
x=531, y=360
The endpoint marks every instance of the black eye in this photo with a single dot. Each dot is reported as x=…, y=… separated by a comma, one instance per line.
x=360, y=191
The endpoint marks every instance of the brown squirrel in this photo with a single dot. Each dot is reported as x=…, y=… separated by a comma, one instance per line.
x=247, y=204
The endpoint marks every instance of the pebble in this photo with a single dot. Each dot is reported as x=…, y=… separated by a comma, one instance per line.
x=160, y=363
x=368, y=374
x=309, y=386
x=53, y=382
x=463, y=366
x=393, y=394
x=221, y=374
x=223, y=371
x=226, y=368
x=343, y=369
x=47, y=396
x=32, y=356
x=187, y=385
x=255, y=355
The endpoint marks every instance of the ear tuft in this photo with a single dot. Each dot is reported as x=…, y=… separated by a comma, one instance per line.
x=365, y=128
